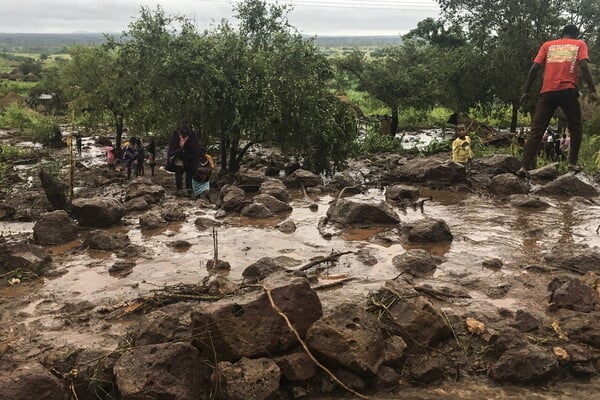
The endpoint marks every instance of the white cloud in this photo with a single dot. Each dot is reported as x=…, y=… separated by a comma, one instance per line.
x=323, y=17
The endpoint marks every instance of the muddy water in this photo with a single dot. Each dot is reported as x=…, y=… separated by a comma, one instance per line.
x=483, y=228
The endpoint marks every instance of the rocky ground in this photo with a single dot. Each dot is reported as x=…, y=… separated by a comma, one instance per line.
x=280, y=327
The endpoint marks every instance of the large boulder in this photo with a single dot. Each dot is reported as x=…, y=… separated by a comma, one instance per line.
x=246, y=379
x=31, y=381
x=55, y=190
x=256, y=210
x=350, y=337
x=417, y=262
x=573, y=294
x=346, y=212
x=429, y=171
x=401, y=193
x=497, y=164
x=275, y=188
x=569, y=185
x=55, y=228
x=250, y=180
x=578, y=258
x=247, y=325
x=507, y=184
x=523, y=365
x=146, y=189
x=526, y=201
x=580, y=327
x=302, y=177
x=427, y=230
x=168, y=371
x=546, y=173
x=151, y=221
x=97, y=212
x=262, y=268
x=296, y=366
x=108, y=241
x=156, y=327
x=272, y=203
x=233, y=198
x=26, y=257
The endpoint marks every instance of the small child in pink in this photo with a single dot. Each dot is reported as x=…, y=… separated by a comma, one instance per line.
x=110, y=157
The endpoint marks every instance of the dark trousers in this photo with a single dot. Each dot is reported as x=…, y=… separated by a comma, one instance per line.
x=544, y=110
x=189, y=171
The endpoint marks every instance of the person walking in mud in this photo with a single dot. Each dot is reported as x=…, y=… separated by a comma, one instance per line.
x=560, y=59
x=461, y=146
x=78, y=144
x=182, y=155
x=151, y=149
x=140, y=158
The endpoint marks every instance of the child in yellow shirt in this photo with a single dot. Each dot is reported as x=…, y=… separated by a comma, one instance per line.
x=461, y=146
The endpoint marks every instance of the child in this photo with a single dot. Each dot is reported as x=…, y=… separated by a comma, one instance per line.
x=110, y=156
x=200, y=181
x=461, y=146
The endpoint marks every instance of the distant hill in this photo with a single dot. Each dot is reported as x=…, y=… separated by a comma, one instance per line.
x=52, y=43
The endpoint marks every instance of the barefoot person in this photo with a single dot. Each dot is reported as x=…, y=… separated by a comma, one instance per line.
x=560, y=59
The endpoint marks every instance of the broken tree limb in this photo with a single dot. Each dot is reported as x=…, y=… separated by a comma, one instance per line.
x=339, y=282
x=332, y=257
x=305, y=347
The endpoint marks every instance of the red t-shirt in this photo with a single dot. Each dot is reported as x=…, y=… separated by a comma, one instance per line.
x=561, y=58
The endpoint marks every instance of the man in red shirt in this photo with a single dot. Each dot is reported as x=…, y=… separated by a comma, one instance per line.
x=560, y=59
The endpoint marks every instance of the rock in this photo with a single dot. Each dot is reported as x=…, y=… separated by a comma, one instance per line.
x=401, y=193
x=121, y=268
x=55, y=190
x=575, y=295
x=6, y=211
x=492, y=263
x=475, y=327
x=350, y=379
x=31, y=381
x=417, y=262
x=568, y=185
x=574, y=257
x=302, y=177
x=256, y=210
x=287, y=227
x=172, y=213
x=427, y=369
x=350, y=337
x=393, y=351
x=428, y=231
x=343, y=179
x=429, y=171
x=228, y=323
x=137, y=204
x=262, y=268
x=387, y=379
x=583, y=328
x=296, y=367
x=346, y=212
x=525, y=201
x=250, y=180
x=55, y=228
x=507, y=184
x=233, y=198
x=219, y=285
x=525, y=321
x=27, y=257
x=272, y=203
x=144, y=187
x=524, y=365
x=580, y=358
x=546, y=173
x=97, y=212
x=247, y=379
x=366, y=257
x=291, y=167
x=29, y=205
x=169, y=371
x=203, y=223
x=509, y=338
x=156, y=327
x=151, y=221
x=314, y=207
x=275, y=188
x=108, y=241
x=497, y=164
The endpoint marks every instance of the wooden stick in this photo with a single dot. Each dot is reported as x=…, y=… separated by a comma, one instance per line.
x=322, y=260
x=305, y=347
x=329, y=285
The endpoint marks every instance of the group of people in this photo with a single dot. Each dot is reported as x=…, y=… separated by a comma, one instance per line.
x=560, y=59
x=185, y=157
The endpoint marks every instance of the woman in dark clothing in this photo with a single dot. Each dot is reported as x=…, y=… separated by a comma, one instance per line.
x=183, y=152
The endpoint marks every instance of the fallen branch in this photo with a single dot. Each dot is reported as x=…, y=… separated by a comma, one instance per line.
x=333, y=284
x=305, y=347
x=332, y=257
x=440, y=294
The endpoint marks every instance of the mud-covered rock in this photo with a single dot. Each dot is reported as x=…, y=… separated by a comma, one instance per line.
x=302, y=177
x=250, y=180
x=525, y=321
x=233, y=198
x=575, y=295
x=260, y=269
x=145, y=188
x=219, y=285
x=169, y=371
x=287, y=227
x=172, y=213
x=427, y=369
x=6, y=211
x=203, y=223
x=427, y=230
x=350, y=337
x=296, y=367
x=55, y=190
x=228, y=324
x=104, y=240
x=401, y=193
x=97, y=212
x=429, y=171
x=366, y=257
x=546, y=173
x=583, y=328
x=346, y=212
x=393, y=351
x=273, y=204
x=256, y=210
x=497, y=164
x=507, y=184
x=581, y=358
x=26, y=257
x=137, y=204
x=156, y=327
x=526, y=201
x=55, y=228
x=31, y=381
x=275, y=188
x=523, y=365
x=387, y=379
x=151, y=221
x=574, y=258
x=568, y=185
x=417, y=262
x=247, y=379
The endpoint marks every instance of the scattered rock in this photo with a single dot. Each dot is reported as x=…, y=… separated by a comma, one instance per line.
x=247, y=379
x=296, y=367
x=522, y=365
x=429, y=171
x=121, y=268
x=546, y=173
x=262, y=268
x=427, y=369
x=428, y=231
x=97, y=212
x=233, y=198
x=574, y=295
x=568, y=185
x=346, y=212
x=497, y=164
x=492, y=263
x=173, y=213
x=250, y=180
x=27, y=257
x=203, y=223
x=526, y=201
x=137, y=204
x=156, y=327
x=275, y=188
x=302, y=177
x=6, y=211
x=55, y=190
x=55, y=228
x=525, y=321
x=31, y=381
x=417, y=262
x=387, y=379
x=107, y=241
x=287, y=227
x=401, y=193
x=219, y=285
x=145, y=188
x=180, y=244
x=273, y=204
x=366, y=257
x=151, y=221
x=256, y=210
x=393, y=351
x=507, y=184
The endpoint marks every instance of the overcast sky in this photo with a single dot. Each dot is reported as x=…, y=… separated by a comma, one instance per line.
x=313, y=17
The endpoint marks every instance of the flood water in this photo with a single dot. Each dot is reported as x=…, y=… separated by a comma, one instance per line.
x=483, y=228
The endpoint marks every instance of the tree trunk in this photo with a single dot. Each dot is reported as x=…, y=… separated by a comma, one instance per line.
x=234, y=165
x=515, y=115
x=223, y=146
x=394, y=124
x=119, y=126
